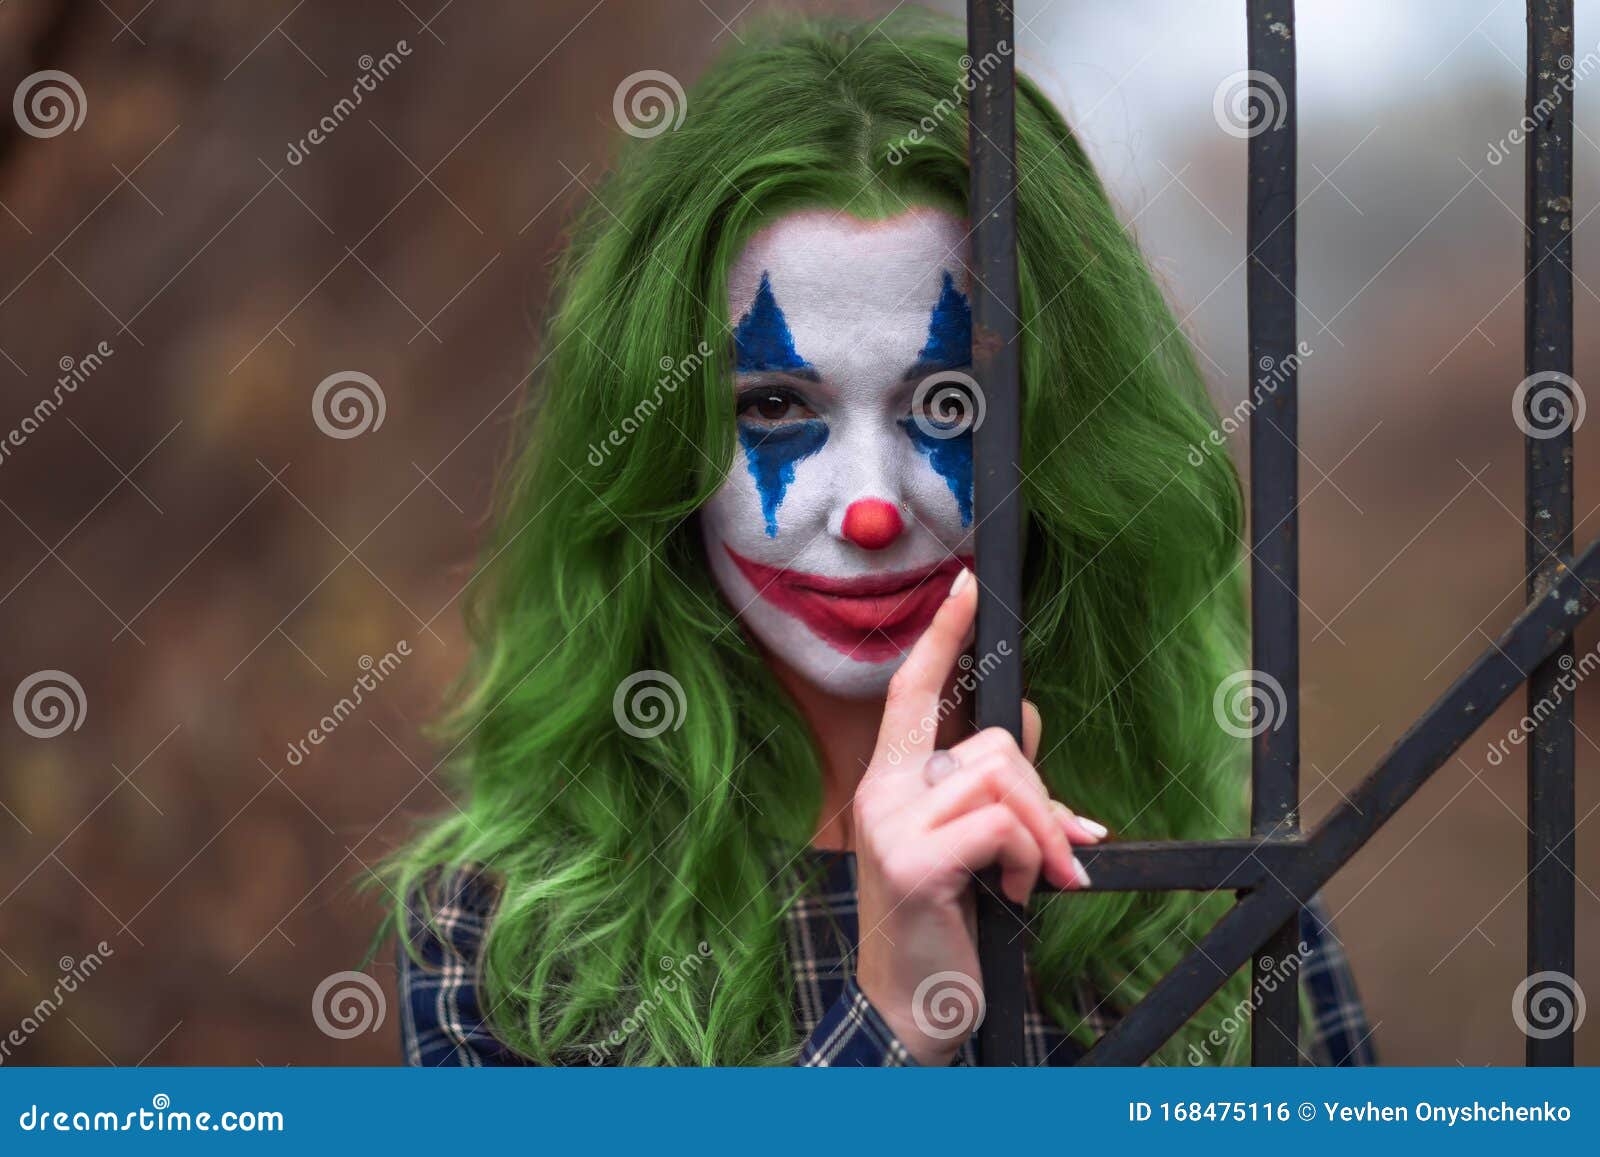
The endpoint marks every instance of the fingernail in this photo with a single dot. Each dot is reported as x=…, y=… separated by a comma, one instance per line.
x=1100, y=830
x=961, y=582
x=1080, y=872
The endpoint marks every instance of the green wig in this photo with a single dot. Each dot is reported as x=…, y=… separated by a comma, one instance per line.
x=617, y=853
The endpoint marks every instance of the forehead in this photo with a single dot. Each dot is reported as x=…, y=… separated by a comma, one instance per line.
x=845, y=284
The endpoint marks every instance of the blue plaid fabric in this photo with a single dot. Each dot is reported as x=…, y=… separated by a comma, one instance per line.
x=443, y=1021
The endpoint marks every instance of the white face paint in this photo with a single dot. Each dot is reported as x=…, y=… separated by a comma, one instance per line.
x=845, y=517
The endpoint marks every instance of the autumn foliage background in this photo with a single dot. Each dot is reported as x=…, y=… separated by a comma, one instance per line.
x=211, y=568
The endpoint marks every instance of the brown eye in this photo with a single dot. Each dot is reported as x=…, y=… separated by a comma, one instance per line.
x=773, y=405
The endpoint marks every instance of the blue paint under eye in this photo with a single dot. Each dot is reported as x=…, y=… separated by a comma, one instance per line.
x=949, y=331
x=772, y=452
x=762, y=341
x=951, y=459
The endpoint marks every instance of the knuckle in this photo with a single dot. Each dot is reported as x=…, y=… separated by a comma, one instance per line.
x=902, y=684
x=998, y=738
x=901, y=872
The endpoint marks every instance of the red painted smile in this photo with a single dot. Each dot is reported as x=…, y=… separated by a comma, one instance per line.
x=872, y=618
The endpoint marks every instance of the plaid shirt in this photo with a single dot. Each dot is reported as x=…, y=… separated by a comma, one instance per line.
x=443, y=1020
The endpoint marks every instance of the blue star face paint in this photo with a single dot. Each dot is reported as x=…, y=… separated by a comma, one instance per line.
x=771, y=453
x=951, y=459
x=949, y=344
x=839, y=522
x=762, y=341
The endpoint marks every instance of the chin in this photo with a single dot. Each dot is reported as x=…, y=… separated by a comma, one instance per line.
x=842, y=677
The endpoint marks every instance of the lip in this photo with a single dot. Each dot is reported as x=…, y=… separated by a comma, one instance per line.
x=872, y=618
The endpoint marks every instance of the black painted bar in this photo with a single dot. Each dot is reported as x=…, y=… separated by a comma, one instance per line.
x=1274, y=490
x=1187, y=866
x=997, y=478
x=1536, y=635
x=1547, y=341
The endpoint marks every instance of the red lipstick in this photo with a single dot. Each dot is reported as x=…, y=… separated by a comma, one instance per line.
x=872, y=618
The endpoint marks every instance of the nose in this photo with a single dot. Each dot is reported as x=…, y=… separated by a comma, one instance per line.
x=872, y=523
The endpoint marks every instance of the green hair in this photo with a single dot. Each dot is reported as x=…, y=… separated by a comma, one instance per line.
x=617, y=854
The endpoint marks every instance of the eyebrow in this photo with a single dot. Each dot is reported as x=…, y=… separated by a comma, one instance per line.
x=804, y=373
x=922, y=369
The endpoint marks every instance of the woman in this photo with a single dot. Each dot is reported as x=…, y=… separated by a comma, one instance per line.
x=720, y=795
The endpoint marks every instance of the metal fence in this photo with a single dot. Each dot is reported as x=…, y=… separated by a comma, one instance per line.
x=1279, y=868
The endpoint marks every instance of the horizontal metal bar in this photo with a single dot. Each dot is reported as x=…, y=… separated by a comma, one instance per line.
x=1186, y=866
x=1535, y=635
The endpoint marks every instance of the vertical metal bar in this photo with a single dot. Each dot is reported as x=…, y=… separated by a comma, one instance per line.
x=1002, y=927
x=1274, y=487
x=1547, y=340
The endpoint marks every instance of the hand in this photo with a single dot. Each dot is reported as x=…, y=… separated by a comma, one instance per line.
x=921, y=832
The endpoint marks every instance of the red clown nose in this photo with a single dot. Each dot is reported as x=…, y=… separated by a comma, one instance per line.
x=872, y=523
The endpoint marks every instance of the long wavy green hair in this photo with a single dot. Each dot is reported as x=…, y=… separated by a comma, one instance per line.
x=619, y=854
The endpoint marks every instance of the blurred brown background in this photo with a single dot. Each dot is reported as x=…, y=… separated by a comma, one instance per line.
x=211, y=568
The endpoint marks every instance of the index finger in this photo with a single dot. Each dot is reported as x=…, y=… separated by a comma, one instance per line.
x=911, y=712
